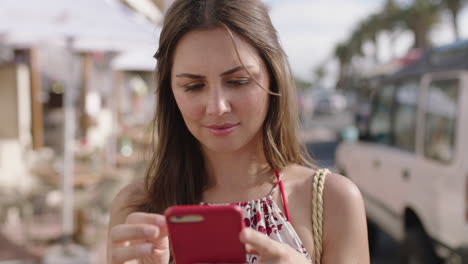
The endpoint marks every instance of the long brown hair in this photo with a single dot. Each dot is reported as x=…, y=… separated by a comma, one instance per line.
x=177, y=172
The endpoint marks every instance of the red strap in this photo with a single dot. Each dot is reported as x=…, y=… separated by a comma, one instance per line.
x=283, y=196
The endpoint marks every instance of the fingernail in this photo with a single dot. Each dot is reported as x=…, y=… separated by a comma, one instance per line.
x=149, y=232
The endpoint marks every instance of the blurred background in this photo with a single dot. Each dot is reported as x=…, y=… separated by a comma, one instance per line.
x=380, y=82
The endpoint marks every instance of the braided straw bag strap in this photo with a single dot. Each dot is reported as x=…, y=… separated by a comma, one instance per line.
x=317, y=212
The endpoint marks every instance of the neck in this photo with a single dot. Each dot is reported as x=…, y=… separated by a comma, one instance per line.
x=236, y=173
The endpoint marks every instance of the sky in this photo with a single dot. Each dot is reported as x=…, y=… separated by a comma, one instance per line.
x=310, y=29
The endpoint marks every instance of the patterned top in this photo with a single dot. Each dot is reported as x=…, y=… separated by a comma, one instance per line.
x=265, y=216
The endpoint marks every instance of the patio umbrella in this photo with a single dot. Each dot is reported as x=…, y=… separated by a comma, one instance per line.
x=103, y=25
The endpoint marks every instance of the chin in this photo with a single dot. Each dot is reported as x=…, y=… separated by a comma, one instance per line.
x=227, y=144
x=225, y=147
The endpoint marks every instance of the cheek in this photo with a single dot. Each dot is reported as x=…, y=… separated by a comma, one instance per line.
x=256, y=104
x=188, y=107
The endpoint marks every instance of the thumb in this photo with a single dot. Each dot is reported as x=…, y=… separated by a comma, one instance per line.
x=259, y=243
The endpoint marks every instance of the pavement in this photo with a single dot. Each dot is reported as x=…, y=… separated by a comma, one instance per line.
x=10, y=250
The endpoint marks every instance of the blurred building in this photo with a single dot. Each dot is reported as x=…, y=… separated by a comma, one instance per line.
x=55, y=47
x=95, y=67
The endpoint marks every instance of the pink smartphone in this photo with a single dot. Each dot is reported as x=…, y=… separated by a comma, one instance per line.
x=205, y=234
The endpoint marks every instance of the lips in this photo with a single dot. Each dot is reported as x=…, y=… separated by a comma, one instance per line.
x=223, y=129
x=223, y=126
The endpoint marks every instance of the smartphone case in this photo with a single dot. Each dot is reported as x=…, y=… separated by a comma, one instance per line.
x=214, y=239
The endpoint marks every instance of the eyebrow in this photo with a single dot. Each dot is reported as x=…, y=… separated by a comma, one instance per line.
x=197, y=76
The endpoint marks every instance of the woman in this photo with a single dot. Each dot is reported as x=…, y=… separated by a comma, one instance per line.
x=226, y=124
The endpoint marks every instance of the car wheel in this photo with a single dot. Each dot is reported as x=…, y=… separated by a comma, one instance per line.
x=417, y=248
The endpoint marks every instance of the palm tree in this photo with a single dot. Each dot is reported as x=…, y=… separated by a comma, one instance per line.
x=370, y=30
x=356, y=42
x=388, y=19
x=420, y=17
x=454, y=7
x=390, y=10
x=344, y=55
x=367, y=30
x=392, y=22
x=391, y=16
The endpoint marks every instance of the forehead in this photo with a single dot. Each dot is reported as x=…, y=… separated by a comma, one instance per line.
x=213, y=47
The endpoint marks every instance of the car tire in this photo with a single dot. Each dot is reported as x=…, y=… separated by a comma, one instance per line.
x=372, y=235
x=417, y=248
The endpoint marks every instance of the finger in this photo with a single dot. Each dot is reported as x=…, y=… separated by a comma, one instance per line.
x=129, y=232
x=150, y=219
x=120, y=255
x=140, y=218
x=250, y=249
x=259, y=243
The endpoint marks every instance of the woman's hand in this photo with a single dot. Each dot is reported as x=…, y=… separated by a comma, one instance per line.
x=142, y=237
x=268, y=250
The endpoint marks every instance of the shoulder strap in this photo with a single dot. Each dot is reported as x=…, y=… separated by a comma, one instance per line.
x=317, y=212
x=283, y=196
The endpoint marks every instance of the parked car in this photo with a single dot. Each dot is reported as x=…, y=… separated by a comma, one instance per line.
x=412, y=164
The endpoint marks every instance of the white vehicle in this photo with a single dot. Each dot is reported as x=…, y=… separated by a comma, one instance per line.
x=412, y=164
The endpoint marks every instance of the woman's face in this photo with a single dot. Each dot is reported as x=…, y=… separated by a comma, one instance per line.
x=222, y=106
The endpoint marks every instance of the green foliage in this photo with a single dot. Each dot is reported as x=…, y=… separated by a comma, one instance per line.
x=319, y=73
x=391, y=16
x=302, y=84
x=344, y=53
x=454, y=7
x=418, y=16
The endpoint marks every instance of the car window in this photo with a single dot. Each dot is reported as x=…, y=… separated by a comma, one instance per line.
x=406, y=106
x=380, y=123
x=441, y=114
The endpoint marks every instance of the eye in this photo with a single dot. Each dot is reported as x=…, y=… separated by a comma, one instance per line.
x=239, y=81
x=193, y=87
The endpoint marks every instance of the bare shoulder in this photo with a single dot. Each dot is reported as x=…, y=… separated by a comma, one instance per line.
x=342, y=202
x=344, y=222
x=344, y=219
x=297, y=175
x=338, y=189
x=123, y=201
x=340, y=193
x=297, y=180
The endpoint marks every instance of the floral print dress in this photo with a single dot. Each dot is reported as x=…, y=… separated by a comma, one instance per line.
x=265, y=216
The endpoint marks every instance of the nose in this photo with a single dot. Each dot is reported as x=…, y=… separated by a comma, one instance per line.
x=218, y=102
